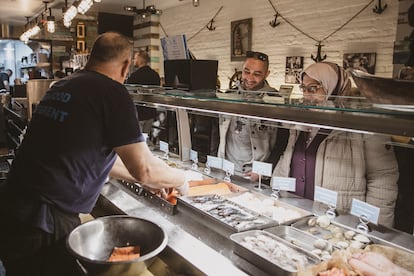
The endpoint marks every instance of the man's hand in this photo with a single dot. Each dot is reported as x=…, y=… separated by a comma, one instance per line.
x=183, y=189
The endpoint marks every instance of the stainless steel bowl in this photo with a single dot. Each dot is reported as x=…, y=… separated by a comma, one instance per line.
x=379, y=90
x=92, y=243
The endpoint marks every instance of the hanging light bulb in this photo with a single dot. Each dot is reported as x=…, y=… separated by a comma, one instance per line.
x=84, y=6
x=50, y=22
x=196, y=3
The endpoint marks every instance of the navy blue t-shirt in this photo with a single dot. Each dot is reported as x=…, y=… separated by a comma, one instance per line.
x=67, y=152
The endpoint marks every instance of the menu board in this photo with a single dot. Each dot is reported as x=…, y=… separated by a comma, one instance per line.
x=175, y=47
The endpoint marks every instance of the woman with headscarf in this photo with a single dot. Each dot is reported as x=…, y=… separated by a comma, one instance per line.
x=322, y=80
x=354, y=165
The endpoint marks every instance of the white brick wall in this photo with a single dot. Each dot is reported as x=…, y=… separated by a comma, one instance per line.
x=369, y=32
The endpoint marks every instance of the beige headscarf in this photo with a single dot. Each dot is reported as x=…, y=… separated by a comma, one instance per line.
x=334, y=79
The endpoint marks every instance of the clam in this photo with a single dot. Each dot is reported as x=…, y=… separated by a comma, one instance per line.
x=312, y=221
x=323, y=221
x=317, y=252
x=349, y=234
x=342, y=244
x=362, y=238
x=314, y=230
x=325, y=252
x=327, y=236
x=326, y=257
x=356, y=244
x=320, y=244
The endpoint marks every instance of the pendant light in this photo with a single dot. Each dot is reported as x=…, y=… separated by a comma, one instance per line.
x=50, y=22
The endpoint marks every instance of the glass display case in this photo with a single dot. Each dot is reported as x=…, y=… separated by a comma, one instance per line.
x=215, y=248
x=349, y=120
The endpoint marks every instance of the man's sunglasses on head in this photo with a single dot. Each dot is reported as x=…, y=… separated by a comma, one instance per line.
x=258, y=55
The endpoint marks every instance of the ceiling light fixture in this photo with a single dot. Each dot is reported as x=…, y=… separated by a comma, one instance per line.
x=84, y=6
x=32, y=31
x=196, y=3
x=69, y=15
x=145, y=11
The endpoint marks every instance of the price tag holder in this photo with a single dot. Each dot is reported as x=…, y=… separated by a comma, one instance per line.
x=262, y=168
x=228, y=167
x=193, y=156
x=284, y=183
x=325, y=196
x=362, y=209
x=214, y=162
x=164, y=146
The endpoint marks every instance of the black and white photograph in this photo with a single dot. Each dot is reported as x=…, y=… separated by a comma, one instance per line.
x=360, y=61
x=294, y=66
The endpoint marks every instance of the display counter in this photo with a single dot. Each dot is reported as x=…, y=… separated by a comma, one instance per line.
x=199, y=246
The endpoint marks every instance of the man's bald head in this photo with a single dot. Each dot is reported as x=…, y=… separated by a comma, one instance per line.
x=110, y=47
x=111, y=56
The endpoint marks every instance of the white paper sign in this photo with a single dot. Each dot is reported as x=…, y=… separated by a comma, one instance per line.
x=284, y=183
x=164, y=146
x=228, y=167
x=193, y=155
x=325, y=196
x=262, y=168
x=214, y=162
x=174, y=47
x=359, y=208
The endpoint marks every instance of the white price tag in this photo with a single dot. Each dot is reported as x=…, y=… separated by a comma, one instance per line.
x=228, y=167
x=284, y=183
x=214, y=162
x=193, y=155
x=262, y=168
x=359, y=208
x=164, y=146
x=325, y=196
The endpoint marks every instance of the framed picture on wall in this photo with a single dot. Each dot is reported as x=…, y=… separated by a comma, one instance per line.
x=294, y=66
x=241, y=38
x=360, y=61
x=80, y=45
x=80, y=30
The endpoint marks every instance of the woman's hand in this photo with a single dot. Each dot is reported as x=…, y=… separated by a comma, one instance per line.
x=253, y=176
x=375, y=264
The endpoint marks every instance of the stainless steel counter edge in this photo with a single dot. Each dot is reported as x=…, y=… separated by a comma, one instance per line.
x=201, y=256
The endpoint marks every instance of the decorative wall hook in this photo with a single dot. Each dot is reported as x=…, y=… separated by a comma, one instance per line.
x=274, y=22
x=210, y=26
x=318, y=57
x=379, y=9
